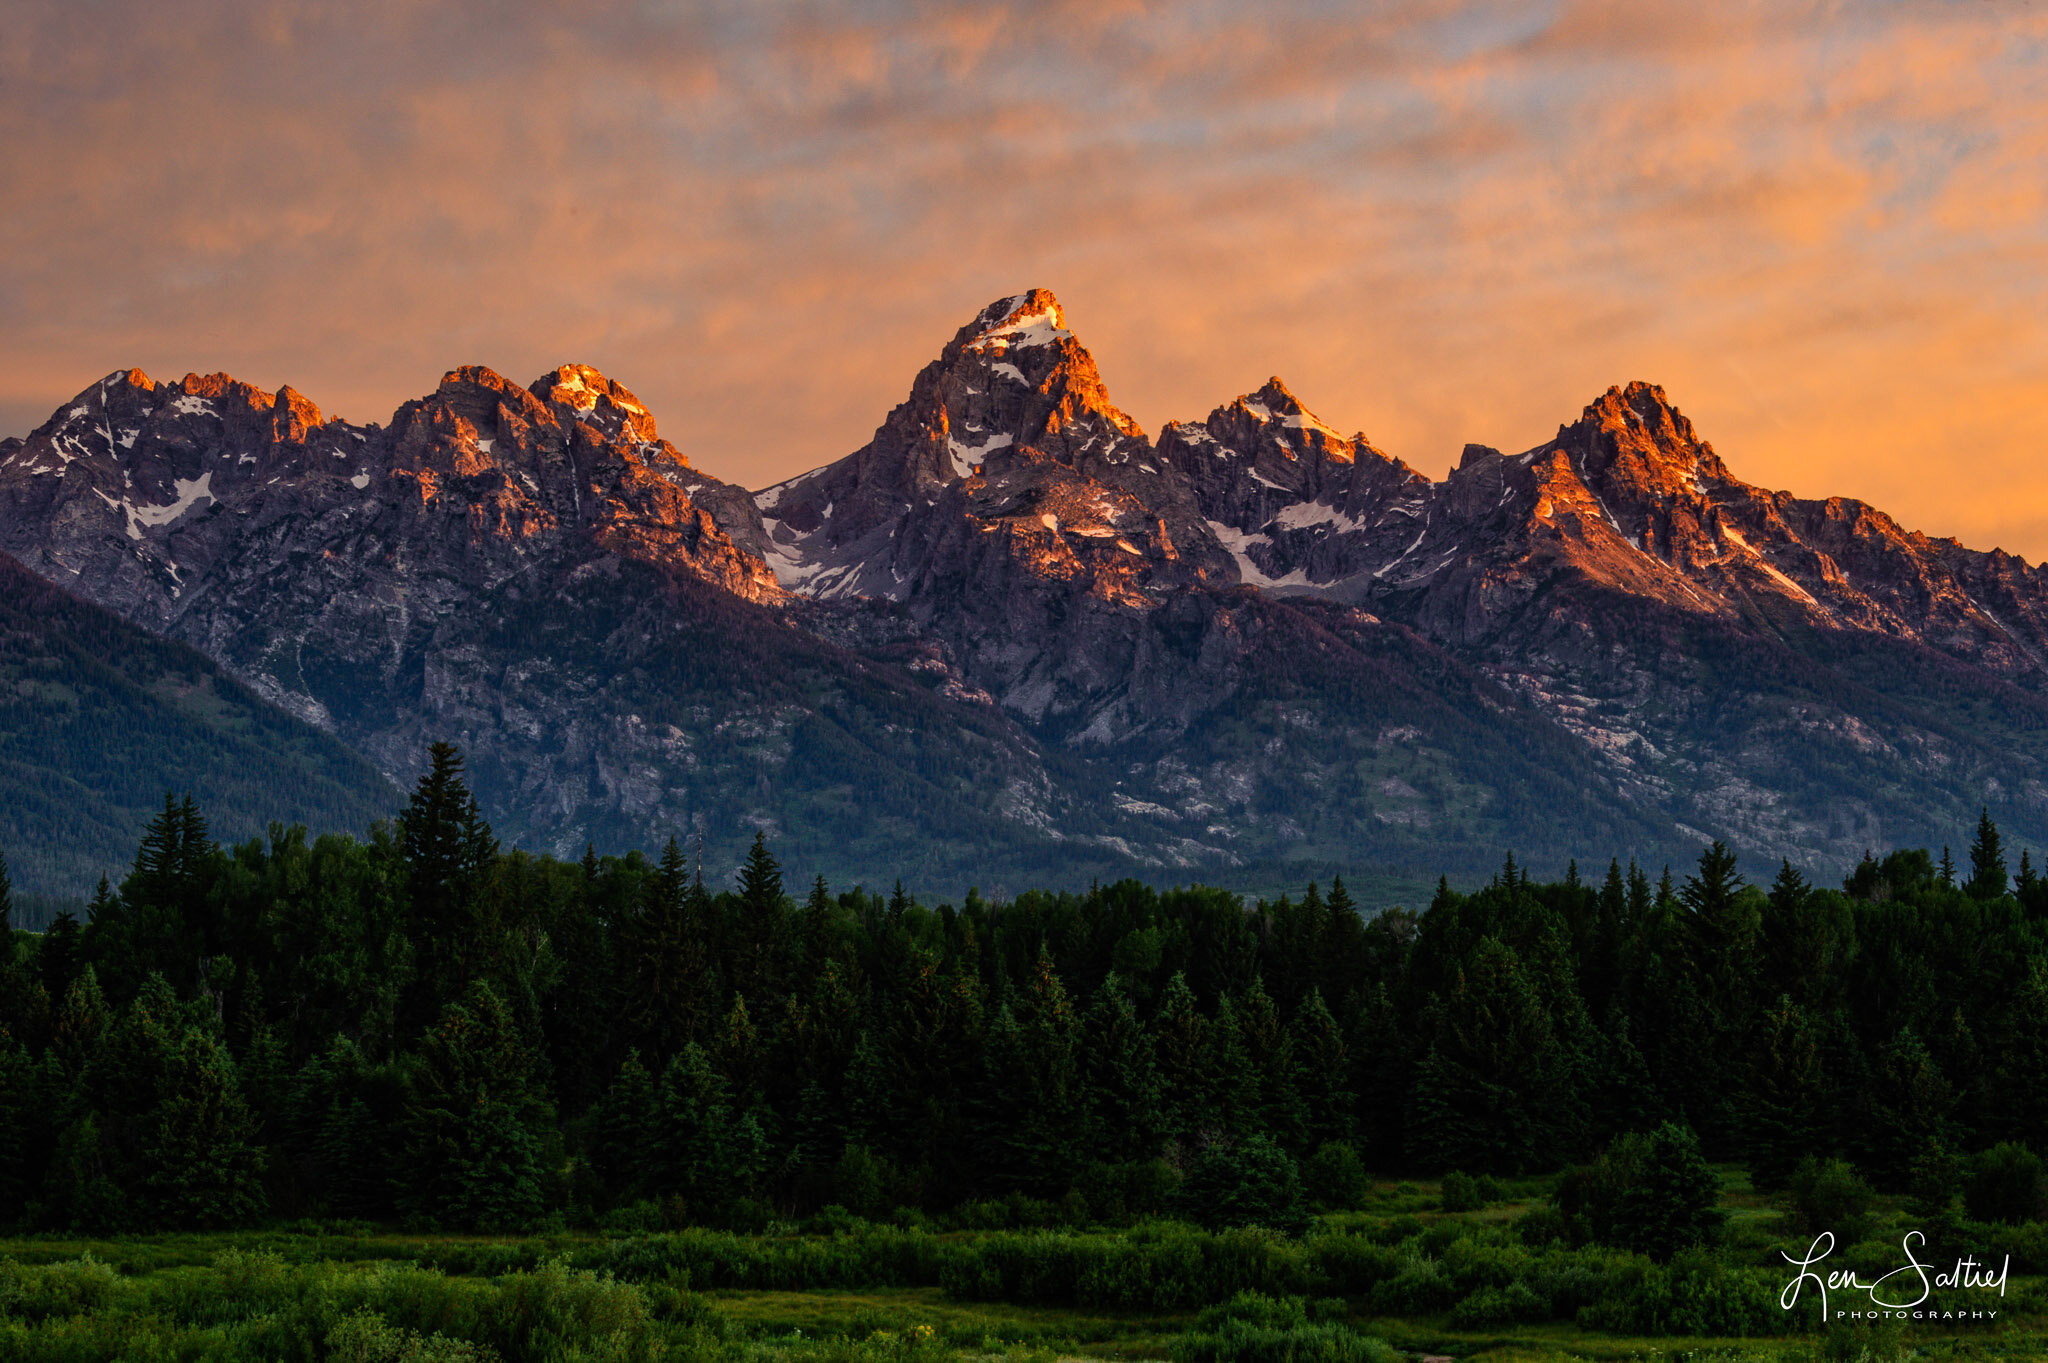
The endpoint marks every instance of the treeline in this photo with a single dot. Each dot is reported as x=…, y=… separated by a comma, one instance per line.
x=423, y=1026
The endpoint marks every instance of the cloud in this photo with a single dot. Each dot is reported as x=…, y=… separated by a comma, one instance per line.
x=1820, y=225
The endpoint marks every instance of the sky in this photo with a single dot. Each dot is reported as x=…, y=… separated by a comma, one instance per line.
x=1822, y=227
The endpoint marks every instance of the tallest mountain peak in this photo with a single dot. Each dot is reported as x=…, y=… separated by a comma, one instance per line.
x=1031, y=318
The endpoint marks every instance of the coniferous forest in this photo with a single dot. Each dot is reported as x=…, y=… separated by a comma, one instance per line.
x=425, y=1028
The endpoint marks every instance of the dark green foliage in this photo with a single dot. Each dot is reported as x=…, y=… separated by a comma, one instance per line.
x=422, y=1024
x=1651, y=1192
x=476, y=1126
x=1249, y=1182
x=1334, y=1177
x=1785, y=1102
x=1253, y=1328
x=1987, y=861
x=1828, y=1196
x=2005, y=1183
x=1460, y=1193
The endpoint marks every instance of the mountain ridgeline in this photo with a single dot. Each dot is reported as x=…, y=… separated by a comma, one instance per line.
x=1014, y=639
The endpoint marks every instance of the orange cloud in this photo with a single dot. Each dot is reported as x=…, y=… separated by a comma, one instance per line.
x=1822, y=227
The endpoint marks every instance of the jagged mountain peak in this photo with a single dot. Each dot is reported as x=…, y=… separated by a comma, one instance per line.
x=1637, y=435
x=1032, y=318
x=592, y=398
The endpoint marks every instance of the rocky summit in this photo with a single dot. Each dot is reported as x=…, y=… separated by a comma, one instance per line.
x=1013, y=636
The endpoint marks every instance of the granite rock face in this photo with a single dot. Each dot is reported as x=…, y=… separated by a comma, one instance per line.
x=1049, y=638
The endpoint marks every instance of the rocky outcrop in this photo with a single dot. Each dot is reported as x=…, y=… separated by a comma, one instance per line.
x=1257, y=638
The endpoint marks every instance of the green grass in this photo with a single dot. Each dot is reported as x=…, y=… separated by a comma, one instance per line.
x=298, y=1292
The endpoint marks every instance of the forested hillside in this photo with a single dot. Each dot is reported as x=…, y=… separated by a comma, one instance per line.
x=418, y=1025
x=98, y=716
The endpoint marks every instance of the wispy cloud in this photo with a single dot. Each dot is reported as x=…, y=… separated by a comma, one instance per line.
x=1823, y=226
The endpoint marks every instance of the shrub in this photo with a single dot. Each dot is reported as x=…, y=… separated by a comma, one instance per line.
x=1651, y=1192
x=1936, y=1178
x=366, y=1337
x=1352, y=1264
x=557, y=1311
x=1334, y=1177
x=1696, y=1294
x=82, y=1287
x=1500, y=1306
x=1541, y=1225
x=1461, y=1193
x=1252, y=1328
x=1827, y=1195
x=1251, y=1182
x=2005, y=1184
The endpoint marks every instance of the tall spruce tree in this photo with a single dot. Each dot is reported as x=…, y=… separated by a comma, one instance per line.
x=1121, y=1078
x=1909, y=1110
x=1785, y=1096
x=169, y=1103
x=476, y=1125
x=1323, y=1075
x=1987, y=861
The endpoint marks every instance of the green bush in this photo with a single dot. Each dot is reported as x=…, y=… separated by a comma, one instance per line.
x=56, y=1291
x=1334, y=1177
x=1461, y=1193
x=2005, y=1185
x=1695, y=1294
x=1828, y=1195
x=1352, y=1264
x=1651, y=1192
x=1253, y=1328
x=366, y=1337
x=557, y=1309
x=1251, y=1182
x=1500, y=1306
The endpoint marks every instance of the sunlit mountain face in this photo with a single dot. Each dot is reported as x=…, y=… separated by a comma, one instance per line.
x=1015, y=635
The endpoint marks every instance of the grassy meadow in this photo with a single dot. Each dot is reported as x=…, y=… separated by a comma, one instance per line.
x=1400, y=1278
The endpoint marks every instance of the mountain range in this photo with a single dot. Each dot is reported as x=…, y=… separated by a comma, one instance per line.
x=1015, y=640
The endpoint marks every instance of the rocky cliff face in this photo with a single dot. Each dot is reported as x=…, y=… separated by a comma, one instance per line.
x=1255, y=639
x=1027, y=527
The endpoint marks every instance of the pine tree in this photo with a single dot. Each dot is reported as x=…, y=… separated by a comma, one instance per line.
x=1230, y=1078
x=1121, y=1078
x=1948, y=867
x=709, y=1155
x=1987, y=861
x=1494, y=1091
x=62, y=954
x=6, y=915
x=2031, y=889
x=336, y=1139
x=741, y=1057
x=23, y=1136
x=1323, y=1075
x=1270, y=1051
x=180, y=1135
x=1180, y=1037
x=81, y=1023
x=761, y=928
x=669, y=992
x=2020, y=1091
x=820, y=939
x=475, y=1123
x=1910, y=1106
x=1784, y=1097
x=448, y=848
x=1036, y=1095
x=626, y=1135
x=1640, y=900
